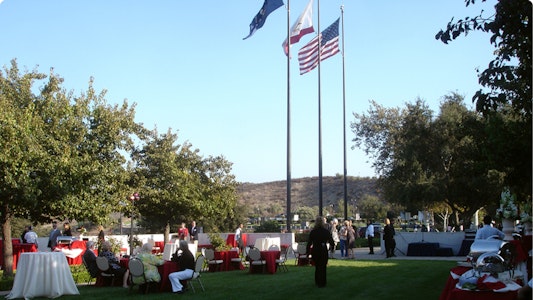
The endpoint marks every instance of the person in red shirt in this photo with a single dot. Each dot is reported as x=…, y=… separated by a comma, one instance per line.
x=183, y=232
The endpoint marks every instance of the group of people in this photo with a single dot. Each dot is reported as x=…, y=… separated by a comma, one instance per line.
x=189, y=233
x=183, y=257
x=29, y=236
x=345, y=236
x=322, y=243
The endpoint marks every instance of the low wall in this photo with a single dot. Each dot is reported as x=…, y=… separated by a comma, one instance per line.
x=445, y=239
x=203, y=239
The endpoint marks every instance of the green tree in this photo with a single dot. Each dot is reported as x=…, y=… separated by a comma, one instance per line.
x=506, y=96
x=177, y=185
x=427, y=159
x=60, y=155
x=372, y=208
x=306, y=213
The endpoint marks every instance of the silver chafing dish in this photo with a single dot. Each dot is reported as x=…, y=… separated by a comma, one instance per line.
x=492, y=256
x=64, y=240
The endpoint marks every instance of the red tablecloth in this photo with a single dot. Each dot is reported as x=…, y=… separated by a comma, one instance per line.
x=21, y=248
x=74, y=245
x=230, y=240
x=164, y=270
x=158, y=247
x=270, y=258
x=18, y=248
x=450, y=292
x=227, y=265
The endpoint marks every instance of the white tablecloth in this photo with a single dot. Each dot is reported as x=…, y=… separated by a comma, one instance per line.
x=70, y=253
x=42, y=274
x=264, y=243
x=170, y=248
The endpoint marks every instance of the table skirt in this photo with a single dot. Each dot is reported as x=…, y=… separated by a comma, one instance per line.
x=43, y=274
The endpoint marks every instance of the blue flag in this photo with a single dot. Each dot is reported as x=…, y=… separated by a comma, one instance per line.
x=259, y=19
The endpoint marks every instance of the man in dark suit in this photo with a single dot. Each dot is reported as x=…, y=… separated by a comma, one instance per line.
x=193, y=231
x=319, y=238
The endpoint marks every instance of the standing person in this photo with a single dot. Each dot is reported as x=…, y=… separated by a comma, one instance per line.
x=183, y=232
x=318, y=238
x=31, y=236
x=350, y=240
x=487, y=230
x=370, y=235
x=343, y=236
x=66, y=229
x=185, y=261
x=22, y=238
x=193, y=231
x=101, y=234
x=238, y=238
x=54, y=234
x=388, y=237
x=335, y=236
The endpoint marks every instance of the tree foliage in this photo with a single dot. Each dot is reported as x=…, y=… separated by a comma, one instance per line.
x=59, y=153
x=430, y=159
x=178, y=185
x=508, y=75
x=507, y=97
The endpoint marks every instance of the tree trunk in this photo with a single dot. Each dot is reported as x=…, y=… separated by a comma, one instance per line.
x=7, y=246
x=167, y=232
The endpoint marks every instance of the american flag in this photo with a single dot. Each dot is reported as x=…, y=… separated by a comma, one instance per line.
x=329, y=46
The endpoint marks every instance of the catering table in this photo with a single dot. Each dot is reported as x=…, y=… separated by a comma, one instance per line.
x=18, y=249
x=43, y=274
x=73, y=252
x=269, y=256
x=452, y=292
x=264, y=243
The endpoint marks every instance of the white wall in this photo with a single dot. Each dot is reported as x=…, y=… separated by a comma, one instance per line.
x=445, y=239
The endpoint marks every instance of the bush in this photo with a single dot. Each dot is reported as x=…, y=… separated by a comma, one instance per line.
x=219, y=244
x=268, y=226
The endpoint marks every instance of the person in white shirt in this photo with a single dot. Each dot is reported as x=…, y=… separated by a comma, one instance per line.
x=238, y=237
x=370, y=235
x=31, y=236
x=488, y=231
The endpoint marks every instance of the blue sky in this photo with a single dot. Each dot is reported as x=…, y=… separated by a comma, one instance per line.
x=186, y=66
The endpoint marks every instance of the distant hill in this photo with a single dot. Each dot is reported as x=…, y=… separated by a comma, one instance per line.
x=304, y=191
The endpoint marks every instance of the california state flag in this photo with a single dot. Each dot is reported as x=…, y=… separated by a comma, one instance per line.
x=301, y=27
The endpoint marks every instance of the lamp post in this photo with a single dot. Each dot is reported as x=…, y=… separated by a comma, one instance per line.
x=134, y=197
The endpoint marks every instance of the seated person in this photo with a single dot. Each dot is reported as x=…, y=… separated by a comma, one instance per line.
x=114, y=264
x=90, y=259
x=150, y=263
x=185, y=260
x=487, y=230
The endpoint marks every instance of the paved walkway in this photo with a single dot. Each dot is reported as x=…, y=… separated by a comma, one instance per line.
x=362, y=254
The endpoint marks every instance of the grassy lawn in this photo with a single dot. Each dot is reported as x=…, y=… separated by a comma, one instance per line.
x=347, y=279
